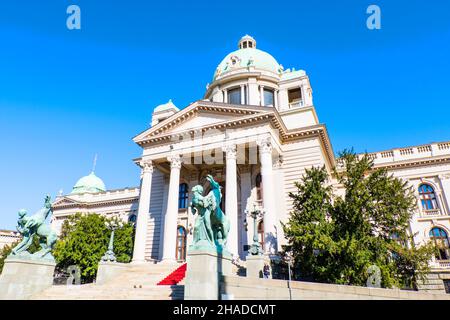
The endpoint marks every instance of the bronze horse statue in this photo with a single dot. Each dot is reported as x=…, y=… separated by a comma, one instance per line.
x=35, y=225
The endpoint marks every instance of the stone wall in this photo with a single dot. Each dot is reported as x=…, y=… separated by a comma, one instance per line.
x=434, y=282
x=242, y=288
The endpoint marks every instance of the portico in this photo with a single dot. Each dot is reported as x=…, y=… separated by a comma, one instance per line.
x=232, y=161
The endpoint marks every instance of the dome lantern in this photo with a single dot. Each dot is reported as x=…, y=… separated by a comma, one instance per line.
x=247, y=42
x=245, y=57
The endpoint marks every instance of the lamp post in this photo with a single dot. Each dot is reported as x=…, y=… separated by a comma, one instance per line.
x=109, y=255
x=289, y=258
x=255, y=248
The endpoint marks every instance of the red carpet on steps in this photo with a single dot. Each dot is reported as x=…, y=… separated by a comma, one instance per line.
x=174, y=277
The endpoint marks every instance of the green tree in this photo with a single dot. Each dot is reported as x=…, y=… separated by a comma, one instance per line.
x=84, y=240
x=335, y=239
x=308, y=229
x=4, y=253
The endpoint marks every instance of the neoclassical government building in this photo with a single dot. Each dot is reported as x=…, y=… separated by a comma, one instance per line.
x=255, y=130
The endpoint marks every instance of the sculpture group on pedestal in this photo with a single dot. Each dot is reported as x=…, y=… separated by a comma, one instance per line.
x=29, y=226
x=212, y=225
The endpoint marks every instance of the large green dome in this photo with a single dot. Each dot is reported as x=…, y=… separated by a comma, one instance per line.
x=248, y=56
x=89, y=184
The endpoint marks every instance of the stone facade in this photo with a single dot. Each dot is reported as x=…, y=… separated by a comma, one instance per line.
x=8, y=237
x=122, y=203
x=256, y=130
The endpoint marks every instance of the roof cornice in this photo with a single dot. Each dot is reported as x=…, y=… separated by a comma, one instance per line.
x=414, y=162
x=87, y=205
x=248, y=115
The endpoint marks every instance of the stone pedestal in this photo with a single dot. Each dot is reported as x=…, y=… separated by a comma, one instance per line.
x=255, y=265
x=109, y=270
x=203, y=274
x=23, y=278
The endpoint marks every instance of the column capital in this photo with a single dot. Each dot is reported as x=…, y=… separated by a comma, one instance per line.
x=175, y=161
x=278, y=162
x=146, y=166
x=265, y=145
x=230, y=150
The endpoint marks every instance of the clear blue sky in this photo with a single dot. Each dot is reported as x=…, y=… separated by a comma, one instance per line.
x=66, y=95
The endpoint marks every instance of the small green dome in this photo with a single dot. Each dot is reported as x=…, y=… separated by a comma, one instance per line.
x=89, y=184
x=248, y=56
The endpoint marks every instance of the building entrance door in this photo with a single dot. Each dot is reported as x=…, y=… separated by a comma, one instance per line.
x=181, y=244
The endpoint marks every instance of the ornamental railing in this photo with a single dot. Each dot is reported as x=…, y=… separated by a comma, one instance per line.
x=410, y=153
x=296, y=104
x=431, y=212
x=443, y=263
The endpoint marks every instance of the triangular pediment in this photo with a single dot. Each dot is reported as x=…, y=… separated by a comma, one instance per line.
x=200, y=115
x=64, y=201
x=203, y=119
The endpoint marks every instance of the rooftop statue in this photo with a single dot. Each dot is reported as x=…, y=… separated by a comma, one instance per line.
x=212, y=225
x=35, y=225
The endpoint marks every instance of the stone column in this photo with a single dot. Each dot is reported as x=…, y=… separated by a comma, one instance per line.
x=170, y=221
x=265, y=152
x=283, y=101
x=275, y=99
x=143, y=211
x=253, y=92
x=231, y=204
x=246, y=194
x=303, y=96
x=242, y=94
x=225, y=96
x=261, y=93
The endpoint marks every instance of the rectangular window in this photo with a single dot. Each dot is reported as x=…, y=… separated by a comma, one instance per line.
x=295, y=97
x=234, y=96
x=268, y=97
x=183, y=196
x=447, y=286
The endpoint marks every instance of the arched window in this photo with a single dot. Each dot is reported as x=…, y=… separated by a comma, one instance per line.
x=261, y=233
x=258, y=184
x=440, y=238
x=181, y=244
x=427, y=197
x=183, y=196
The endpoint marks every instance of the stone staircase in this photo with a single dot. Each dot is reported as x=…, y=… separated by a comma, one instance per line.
x=136, y=282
